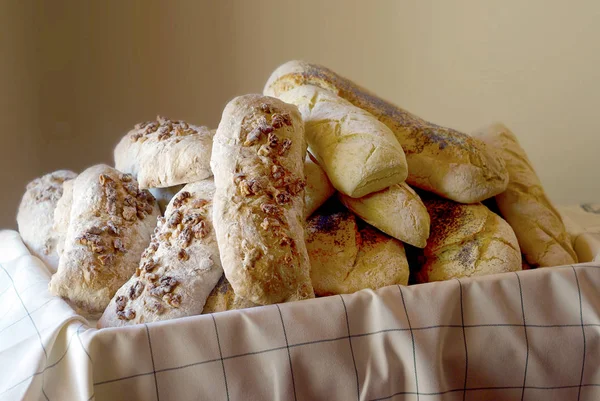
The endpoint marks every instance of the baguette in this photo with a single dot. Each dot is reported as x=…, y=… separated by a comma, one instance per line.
x=466, y=241
x=440, y=160
x=539, y=228
x=359, y=153
x=258, y=211
x=318, y=188
x=397, y=211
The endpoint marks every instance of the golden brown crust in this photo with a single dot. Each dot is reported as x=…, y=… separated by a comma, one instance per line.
x=440, y=160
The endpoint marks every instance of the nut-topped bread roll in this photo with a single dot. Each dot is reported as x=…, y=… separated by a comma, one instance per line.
x=465, y=241
x=165, y=153
x=178, y=270
x=258, y=161
x=397, y=211
x=35, y=217
x=318, y=188
x=539, y=228
x=440, y=160
x=223, y=298
x=110, y=224
x=358, y=152
x=347, y=256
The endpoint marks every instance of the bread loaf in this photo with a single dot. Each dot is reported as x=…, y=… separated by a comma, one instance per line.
x=258, y=161
x=110, y=224
x=165, y=153
x=35, y=217
x=178, y=270
x=318, y=188
x=466, y=241
x=359, y=153
x=440, y=160
x=347, y=256
x=223, y=298
x=397, y=211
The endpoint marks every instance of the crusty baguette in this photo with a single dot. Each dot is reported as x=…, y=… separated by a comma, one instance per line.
x=359, y=153
x=347, y=256
x=440, y=160
x=397, y=211
x=165, y=153
x=223, y=298
x=318, y=187
x=258, y=212
x=110, y=224
x=35, y=217
x=539, y=228
x=465, y=241
x=178, y=270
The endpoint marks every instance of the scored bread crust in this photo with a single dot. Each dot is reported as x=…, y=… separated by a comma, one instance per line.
x=35, y=215
x=165, y=153
x=539, y=228
x=110, y=224
x=359, y=153
x=466, y=241
x=440, y=160
x=179, y=268
x=397, y=211
x=318, y=187
x=347, y=256
x=258, y=162
x=223, y=298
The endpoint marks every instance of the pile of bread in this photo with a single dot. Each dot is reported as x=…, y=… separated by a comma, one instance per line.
x=192, y=220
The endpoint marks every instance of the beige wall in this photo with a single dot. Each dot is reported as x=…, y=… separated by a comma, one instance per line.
x=80, y=75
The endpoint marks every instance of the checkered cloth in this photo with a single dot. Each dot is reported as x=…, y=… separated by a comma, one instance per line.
x=517, y=336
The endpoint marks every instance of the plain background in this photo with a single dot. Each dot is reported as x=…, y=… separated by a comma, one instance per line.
x=75, y=76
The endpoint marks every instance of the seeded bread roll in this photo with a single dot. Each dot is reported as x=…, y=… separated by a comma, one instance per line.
x=178, y=270
x=110, y=224
x=539, y=228
x=165, y=153
x=318, y=188
x=397, y=211
x=223, y=298
x=164, y=195
x=258, y=212
x=35, y=216
x=440, y=160
x=347, y=257
x=359, y=153
x=466, y=241
x=62, y=215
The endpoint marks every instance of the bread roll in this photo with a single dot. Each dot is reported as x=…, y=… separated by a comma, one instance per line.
x=165, y=153
x=359, y=153
x=164, y=195
x=318, y=188
x=223, y=298
x=466, y=241
x=440, y=160
x=178, y=270
x=35, y=217
x=110, y=224
x=397, y=211
x=541, y=233
x=347, y=257
x=62, y=216
x=258, y=160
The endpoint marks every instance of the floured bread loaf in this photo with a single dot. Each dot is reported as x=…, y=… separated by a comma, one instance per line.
x=359, y=153
x=539, y=228
x=165, y=153
x=258, y=162
x=441, y=160
x=35, y=217
x=318, y=188
x=110, y=224
x=397, y=211
x=178, y=270
x=347, y=257
x=223, y=298
x=164, y=195
x=465, y=241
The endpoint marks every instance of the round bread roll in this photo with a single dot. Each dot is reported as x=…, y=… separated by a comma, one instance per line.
x=466, y=241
